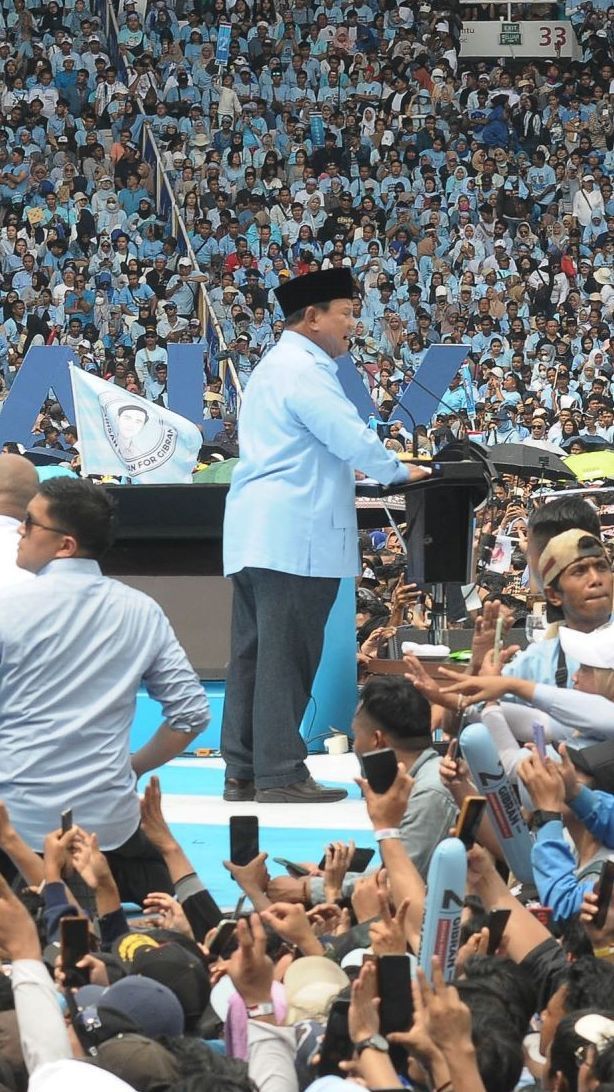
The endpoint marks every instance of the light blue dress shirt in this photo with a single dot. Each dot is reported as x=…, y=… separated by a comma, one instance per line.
x=291, y=505
x=74, y=650
x=538, y=663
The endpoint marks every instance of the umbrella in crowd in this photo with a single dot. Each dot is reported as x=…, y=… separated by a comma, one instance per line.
x=591, y=443
x=592, y=466
x=529, y=462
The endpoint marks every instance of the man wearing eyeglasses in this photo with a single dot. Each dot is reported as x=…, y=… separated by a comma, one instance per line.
x=538, y=428
x=75, y=647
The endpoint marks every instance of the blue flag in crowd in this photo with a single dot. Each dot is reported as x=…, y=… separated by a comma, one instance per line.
x=123, y=434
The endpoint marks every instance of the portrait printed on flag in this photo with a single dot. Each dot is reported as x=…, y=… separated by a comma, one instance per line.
x=139, y=435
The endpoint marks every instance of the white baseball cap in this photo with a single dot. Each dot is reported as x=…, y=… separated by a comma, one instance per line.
x=594, y=649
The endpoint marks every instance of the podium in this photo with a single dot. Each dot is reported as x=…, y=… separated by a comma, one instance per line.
x=440, y=520
x=440, y=516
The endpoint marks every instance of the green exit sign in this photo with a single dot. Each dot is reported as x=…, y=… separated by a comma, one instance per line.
x=510, y=34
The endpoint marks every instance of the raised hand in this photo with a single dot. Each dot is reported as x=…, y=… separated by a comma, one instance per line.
x=290, y=921
x=249, y=967
x=543, y=781
x=448, y=1018
x=371, y=647
x=363, y=1016
x=89, y=860
x=166, y=907
x=419, y=676
x=477, y=944
x=386, y=809
x=489, y=667
x=6, y=827
x=484, y=633
x=568, y=773
x=475, y=688
x=18, y=935
x=337, y=862
x=56, y=852
x=454, y=772
x=153, y=823
x=388, y=935
x=252, y=876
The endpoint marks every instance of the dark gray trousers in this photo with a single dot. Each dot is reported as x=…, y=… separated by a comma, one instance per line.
x=277, y=635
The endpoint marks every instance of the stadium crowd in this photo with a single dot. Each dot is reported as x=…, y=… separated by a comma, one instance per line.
x=473, y=202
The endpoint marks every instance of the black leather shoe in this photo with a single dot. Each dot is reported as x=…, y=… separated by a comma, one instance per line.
x=237, y=789
x=301, y=792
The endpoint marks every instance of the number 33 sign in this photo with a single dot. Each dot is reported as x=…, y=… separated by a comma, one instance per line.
x=553, y=35
x=546, y=41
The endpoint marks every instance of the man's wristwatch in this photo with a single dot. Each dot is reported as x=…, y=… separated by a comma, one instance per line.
x=374, y=1042
x=540, y=818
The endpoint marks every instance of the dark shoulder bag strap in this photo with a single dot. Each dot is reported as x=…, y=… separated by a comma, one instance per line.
x=561, y=674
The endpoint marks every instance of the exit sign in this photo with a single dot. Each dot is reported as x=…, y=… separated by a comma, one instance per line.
x=511, y=34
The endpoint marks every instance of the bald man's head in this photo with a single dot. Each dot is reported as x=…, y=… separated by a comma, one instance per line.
x=18, y=484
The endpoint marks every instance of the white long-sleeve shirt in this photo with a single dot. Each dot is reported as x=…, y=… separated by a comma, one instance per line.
x=42, y=1031
x=10, y=573
x=271, y=1051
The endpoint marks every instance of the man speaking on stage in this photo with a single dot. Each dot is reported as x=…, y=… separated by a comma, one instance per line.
x=290, y=534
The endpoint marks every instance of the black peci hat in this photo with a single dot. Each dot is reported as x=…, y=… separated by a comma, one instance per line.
x=313, y=288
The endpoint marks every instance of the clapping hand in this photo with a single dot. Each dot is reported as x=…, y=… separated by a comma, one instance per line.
x=153, y=823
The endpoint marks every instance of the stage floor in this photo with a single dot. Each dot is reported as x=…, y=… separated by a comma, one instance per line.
x=197, y=814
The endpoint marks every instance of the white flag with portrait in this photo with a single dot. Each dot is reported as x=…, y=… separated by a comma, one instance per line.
x=123, y=434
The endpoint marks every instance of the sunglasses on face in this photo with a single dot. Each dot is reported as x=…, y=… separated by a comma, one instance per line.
x=29, y=522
